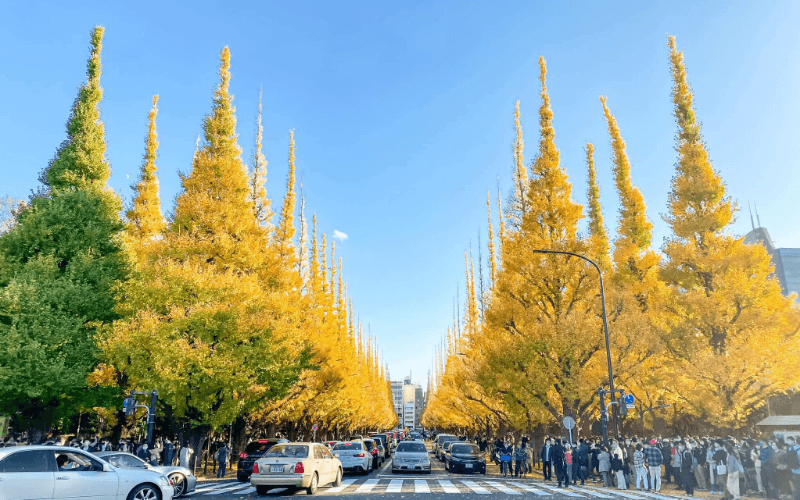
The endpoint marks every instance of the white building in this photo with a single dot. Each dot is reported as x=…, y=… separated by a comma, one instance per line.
x=409, y=402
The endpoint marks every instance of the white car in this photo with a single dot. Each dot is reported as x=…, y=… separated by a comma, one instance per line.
x=296, y=465
x=183, y=480
x=59, y=472
x=354, y=456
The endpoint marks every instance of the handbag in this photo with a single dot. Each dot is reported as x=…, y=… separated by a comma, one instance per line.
x=721, y=469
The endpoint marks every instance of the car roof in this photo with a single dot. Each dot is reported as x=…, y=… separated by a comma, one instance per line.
x=64, y=449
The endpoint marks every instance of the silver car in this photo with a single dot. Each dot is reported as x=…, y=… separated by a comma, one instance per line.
x=354, y=455
x=44, y=472
x=182, y=478
x=411, y=456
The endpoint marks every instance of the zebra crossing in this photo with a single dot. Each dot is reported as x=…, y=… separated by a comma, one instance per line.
x=451, y=485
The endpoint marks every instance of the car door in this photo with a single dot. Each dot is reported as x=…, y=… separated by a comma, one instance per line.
x=332, y=466
x=27, y=475
x=81, y=476
x=319, y=465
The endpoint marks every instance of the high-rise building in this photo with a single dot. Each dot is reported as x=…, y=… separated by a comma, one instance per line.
x=785, y=260
x=409, y=401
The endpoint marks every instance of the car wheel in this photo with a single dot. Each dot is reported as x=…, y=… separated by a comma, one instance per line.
x=312, y=488
x=241, y=478
x=338, y=481
x=178, y=483
x=145, y=492
x=262, y=490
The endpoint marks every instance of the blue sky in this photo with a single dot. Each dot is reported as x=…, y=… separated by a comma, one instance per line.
x=403, y=114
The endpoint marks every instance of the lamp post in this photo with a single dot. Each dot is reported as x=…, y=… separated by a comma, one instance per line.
x=603, y=413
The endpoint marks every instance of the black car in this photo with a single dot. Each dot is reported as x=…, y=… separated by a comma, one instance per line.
x=465, y=457
x=372, y=447
x=444, y=448
x=384, y=442
x=253, y=452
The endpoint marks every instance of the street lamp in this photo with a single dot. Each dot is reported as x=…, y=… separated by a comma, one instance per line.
x=603, y=414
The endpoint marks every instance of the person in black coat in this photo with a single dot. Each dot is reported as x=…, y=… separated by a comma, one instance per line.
x=557, y=458
x=546, y=456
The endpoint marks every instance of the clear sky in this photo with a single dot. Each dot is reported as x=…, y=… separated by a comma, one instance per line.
x=403, y=113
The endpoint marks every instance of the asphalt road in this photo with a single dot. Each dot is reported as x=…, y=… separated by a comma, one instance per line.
x=439, y=485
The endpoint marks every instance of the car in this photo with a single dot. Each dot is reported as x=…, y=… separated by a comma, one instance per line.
x=415, y=436
x=296, y=465
x=446, y=450
x=43, y=471
x=372, y=447
x=465, y=457
x=356, y=437
x=252, y=452
x=439, y=440
x=183, y=480
x=411, y=456
x=354, y=456
x=384, y=442
x=329, y=444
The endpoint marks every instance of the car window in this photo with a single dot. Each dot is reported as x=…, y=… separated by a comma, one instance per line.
x=68, y=461
x=27, y=461
x=464, y=448
x=326, y=453
x=349, y=446
x=369, y=445
x=257, y=448
x=124, y=461
x=411, y=447
x=288, y=451
x=445, y=437
x=318, y=453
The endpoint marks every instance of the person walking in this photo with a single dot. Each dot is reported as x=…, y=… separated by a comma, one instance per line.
x=712, y=468
x=557, y=458
x=569, y=461
x=547, y=462
x=155, y=453
x=755, y=456
x=676, y=464
x=735, y=468
x=222, y=456
x=654, y=460
x=721, y=467
x=687, y=461
x=521, y=459
x=583, y=461
x=186, y=455
x=604, y=466
x=639, y=468
x=617, y=465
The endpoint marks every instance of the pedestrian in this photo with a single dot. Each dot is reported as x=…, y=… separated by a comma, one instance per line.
x=546, y=460
x=143, y=451
x=654, y=460
x=755, y=456
x=568, y=461
x=712, y=467
x=557, y=459
x=639, y=468
x=521, y=459
x=186, y=455
x=735, y=468
x=155, y=453
x=222, y=456
x=169, y=452
x=676, y=464
x=604, y=466
x=583, y=461
x=618, y=466
x=687, y=461
x=721, y=467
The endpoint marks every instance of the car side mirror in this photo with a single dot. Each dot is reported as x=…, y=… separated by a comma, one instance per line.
x=107, y=468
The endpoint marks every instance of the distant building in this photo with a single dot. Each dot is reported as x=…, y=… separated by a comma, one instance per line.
x=785, y=260
x=409, y=401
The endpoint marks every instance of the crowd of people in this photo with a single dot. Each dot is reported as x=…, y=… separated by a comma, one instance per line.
x=726, y=466
x=163, y=451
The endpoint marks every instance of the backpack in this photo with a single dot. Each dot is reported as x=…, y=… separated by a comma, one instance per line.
x=792, y=460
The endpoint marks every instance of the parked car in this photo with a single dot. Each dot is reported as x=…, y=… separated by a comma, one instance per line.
x=354, y=456
x=296, y=465
x=385, y=443
x=357, y=437
x=411, y=456
x=465, y=457
x=252, y=452
x=329, y=444
x=183, y=480
x=439, y=441
x=61, y=472
x=446, y=450
x=372, y=447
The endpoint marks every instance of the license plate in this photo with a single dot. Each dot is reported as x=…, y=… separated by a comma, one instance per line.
x=276, y=468
x=468, y=466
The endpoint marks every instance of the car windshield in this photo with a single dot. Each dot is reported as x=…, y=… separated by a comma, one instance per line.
x=464, y=449
x=288, y=450
x=411, y=448
x=349, y=446
x=369, y=444
x=445, y=437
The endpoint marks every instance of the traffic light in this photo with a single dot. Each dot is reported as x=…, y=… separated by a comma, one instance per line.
x=623, y=409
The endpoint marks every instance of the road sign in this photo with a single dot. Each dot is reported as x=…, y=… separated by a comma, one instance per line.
x=314, y=427
x=629, y=399
x=568, y=423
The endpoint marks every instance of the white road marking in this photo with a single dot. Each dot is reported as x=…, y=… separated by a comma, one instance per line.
x=623, y=494
x=594, y=492
x=562, y=491
x=525, y=487
x=345, y=484
x=395, y=486
x=421, y=486
x=245, y=492
x=211, y=487
x=503, y=488
x=227, y=490
x=448, y=486
x=476, y=487
x=367, y=486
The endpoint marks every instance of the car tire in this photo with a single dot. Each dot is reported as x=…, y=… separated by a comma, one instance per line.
x=178, y=484
x=145, y=492
x=262, y=490
x=338, y=481
x=312, y=488
x=241, y=479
